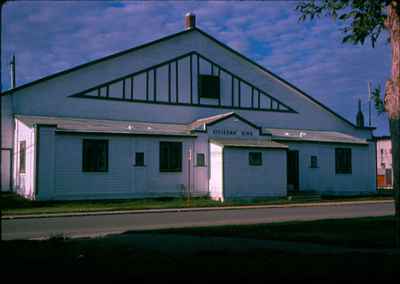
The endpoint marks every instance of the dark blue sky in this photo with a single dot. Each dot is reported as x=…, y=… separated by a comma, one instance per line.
x=52, y=36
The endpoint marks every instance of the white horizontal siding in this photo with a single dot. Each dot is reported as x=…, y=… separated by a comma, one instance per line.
x=123, y=179
x=324, y=178
x=242, y=180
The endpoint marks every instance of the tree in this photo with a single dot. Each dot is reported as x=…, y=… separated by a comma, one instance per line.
x=363, y=20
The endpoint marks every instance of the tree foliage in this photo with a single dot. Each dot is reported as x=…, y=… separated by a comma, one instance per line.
x=363, y=19
x=376, y=98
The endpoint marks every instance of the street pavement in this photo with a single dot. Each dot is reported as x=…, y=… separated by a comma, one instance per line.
x=98, y=225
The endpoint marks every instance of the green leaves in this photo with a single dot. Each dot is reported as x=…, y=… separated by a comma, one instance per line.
x=376, y=97
x=364, y=19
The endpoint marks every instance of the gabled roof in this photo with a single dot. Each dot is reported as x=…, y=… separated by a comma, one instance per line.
x=175, y=35
x=95, y=126
x=202, y=123
x=97, y=61
x=301, y=135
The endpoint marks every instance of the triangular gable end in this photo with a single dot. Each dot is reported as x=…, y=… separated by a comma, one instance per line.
x=228, y=125
x=142, y=87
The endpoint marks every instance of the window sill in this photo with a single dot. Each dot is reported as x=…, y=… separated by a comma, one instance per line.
x=140, y=166
x=209, y=98
x=197, y=166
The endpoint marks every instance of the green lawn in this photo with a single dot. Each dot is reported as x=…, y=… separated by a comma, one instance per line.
x=370, y=232
x=118, y=257
x=12, y=204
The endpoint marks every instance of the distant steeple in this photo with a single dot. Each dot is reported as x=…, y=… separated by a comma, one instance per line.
x=12, y=72
x=360, y=116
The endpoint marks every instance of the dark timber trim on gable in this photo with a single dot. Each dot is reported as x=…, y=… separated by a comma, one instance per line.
x=98, y=60
x=282, y=80
x=173, y=36
x=274, y=106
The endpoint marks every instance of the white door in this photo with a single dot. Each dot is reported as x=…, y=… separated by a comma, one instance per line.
x=140, y=166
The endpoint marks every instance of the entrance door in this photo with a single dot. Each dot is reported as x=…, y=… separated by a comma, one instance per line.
x=388, y=177
x=6, y=156
x=141, y=159
x=293, y=170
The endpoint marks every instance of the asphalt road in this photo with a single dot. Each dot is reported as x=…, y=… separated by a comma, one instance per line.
x=83, y=226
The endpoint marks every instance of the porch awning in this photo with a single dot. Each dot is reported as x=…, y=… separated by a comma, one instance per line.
x=245, y=143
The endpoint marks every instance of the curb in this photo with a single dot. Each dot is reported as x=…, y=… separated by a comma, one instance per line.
x=195, y=209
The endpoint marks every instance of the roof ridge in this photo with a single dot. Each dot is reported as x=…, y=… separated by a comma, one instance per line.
x=98, y=60
x=215, y=116
x=213, y=39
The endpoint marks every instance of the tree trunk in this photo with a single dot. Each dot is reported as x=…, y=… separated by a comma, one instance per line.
x=392, y=106
x=395, y=138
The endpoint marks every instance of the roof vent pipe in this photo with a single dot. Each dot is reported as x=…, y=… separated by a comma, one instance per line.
x=190, y=21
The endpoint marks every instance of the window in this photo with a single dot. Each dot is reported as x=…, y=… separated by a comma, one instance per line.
x=170, y=156
x=22, y=157
x=343, y=160
x=200, y=160
x=95, y=155
x=209, y=86
x=139, y=159
x=313, y=162
x=255, y=159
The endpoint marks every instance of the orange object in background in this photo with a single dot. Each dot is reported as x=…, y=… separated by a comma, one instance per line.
x=381, y=180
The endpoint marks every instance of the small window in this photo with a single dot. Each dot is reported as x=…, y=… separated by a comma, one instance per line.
x=139, y=159
x=95, y=155
x=170, y=156
x=209, y=86
x=313, y=162
x=343, y=160
x=200, y=160
x=255, y=159
x=22, y=157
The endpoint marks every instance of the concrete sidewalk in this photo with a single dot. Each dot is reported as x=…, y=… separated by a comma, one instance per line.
x=194, y=209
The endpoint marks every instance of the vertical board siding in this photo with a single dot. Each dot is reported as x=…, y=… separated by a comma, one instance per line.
x=197, y=77
x=191, y=78
x=155, y=84
x=132, y=84
x=177, y=81
x=169, y=82
x=183, y=72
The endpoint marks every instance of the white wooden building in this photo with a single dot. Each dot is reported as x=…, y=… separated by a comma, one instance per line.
x=384, y=163
x=182, y=113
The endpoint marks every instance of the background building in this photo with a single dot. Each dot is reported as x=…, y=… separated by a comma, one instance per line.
x=384, y=162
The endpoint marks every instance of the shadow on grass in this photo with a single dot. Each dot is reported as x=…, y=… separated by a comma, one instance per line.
x=121, y=259
x=370, y=232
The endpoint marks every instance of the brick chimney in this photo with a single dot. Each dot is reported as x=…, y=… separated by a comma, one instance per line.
x=190, y=21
